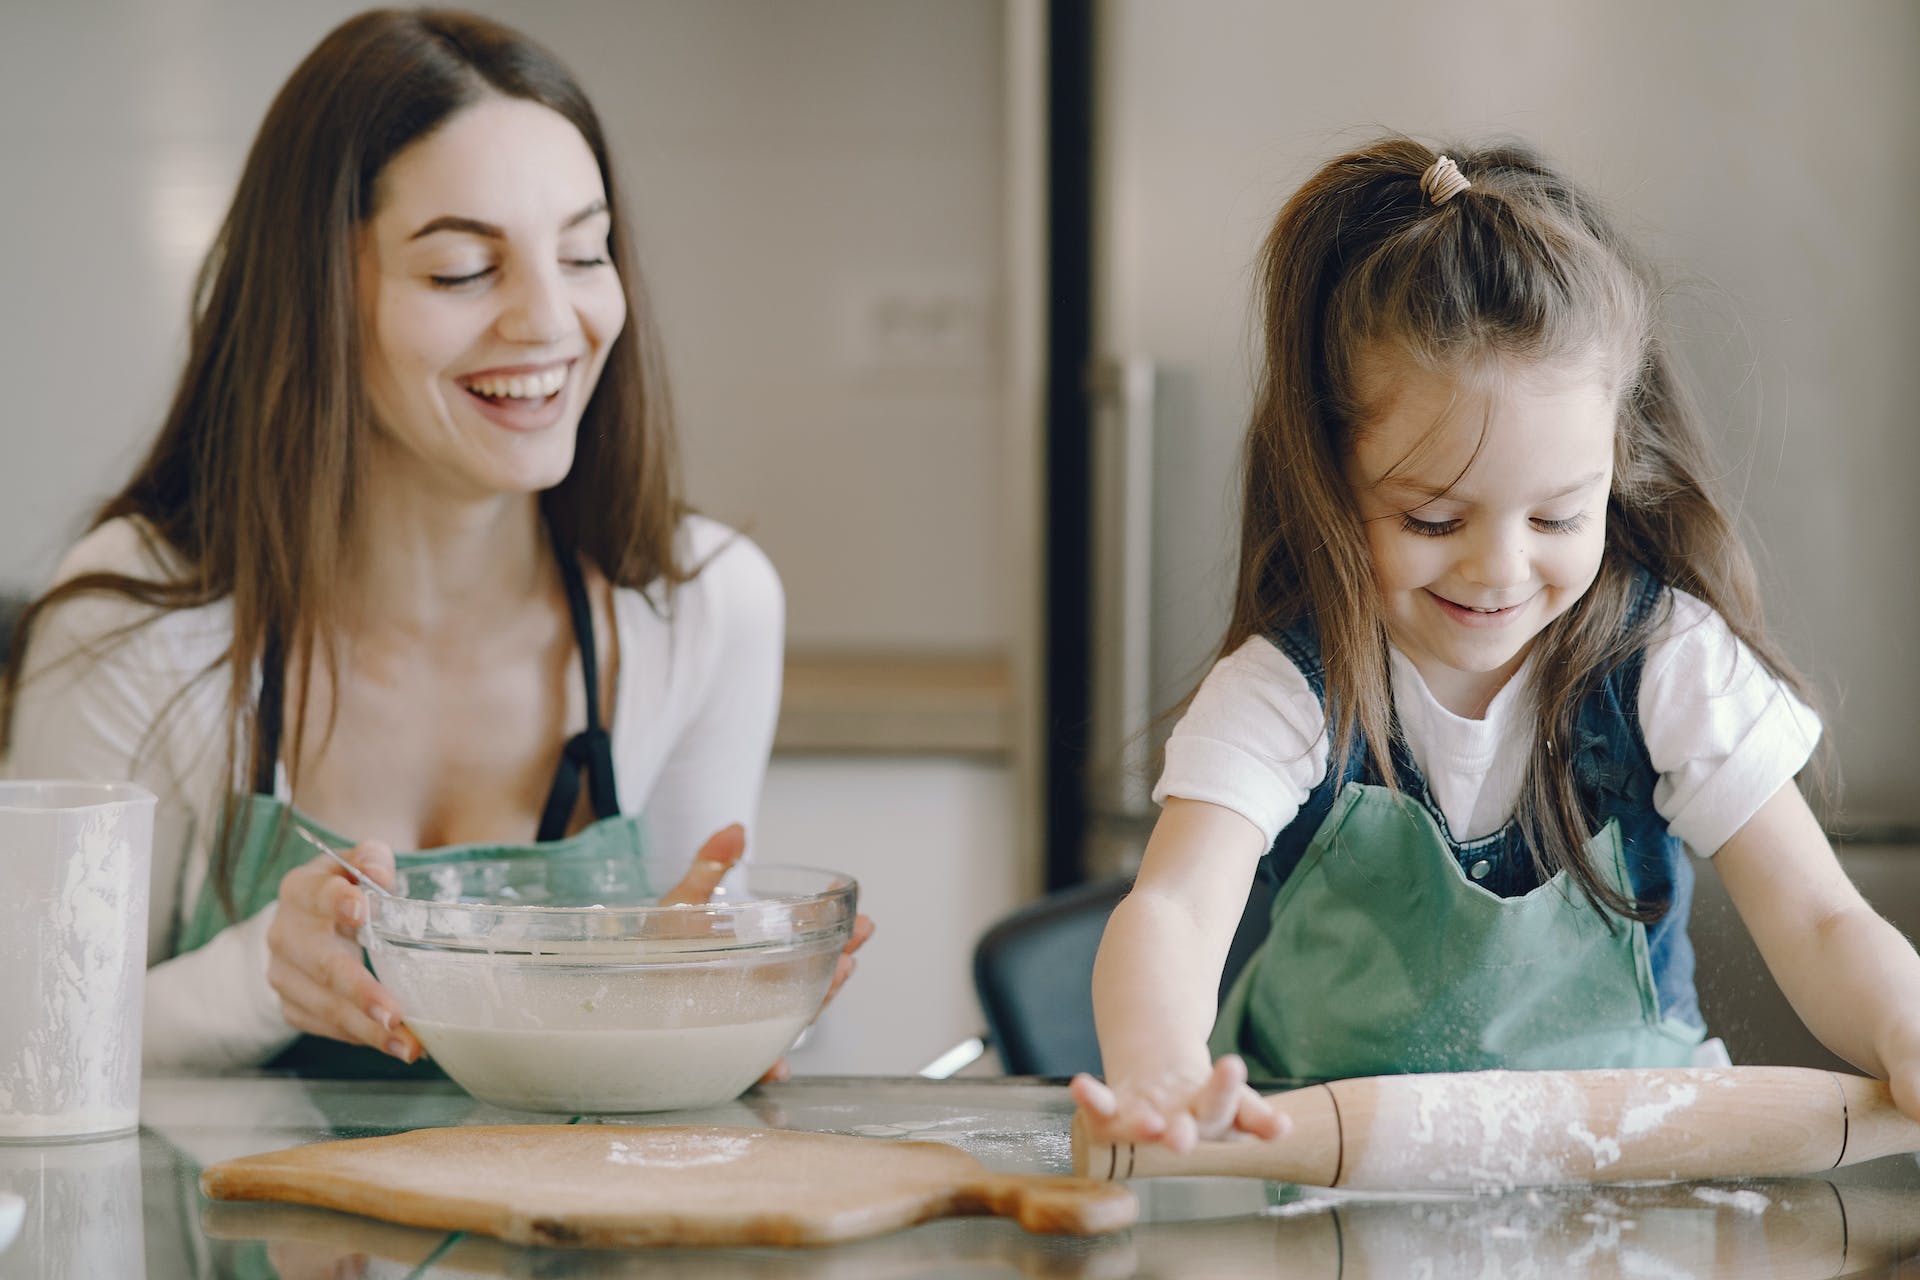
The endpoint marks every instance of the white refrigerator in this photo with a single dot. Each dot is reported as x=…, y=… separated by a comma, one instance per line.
x=1767, y=154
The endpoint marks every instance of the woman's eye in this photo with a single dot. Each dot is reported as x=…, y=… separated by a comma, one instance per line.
x=1428, y=528
x=584, y=263
x=454, y=282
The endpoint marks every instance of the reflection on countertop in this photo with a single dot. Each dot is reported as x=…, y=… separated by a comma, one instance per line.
x=1793, y=1229
x=131, y=1207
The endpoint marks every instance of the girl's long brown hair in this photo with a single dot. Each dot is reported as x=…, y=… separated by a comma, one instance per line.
x=1521, y=266
x=254, y=475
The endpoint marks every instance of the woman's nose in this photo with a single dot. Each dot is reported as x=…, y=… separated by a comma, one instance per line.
x=537, y=310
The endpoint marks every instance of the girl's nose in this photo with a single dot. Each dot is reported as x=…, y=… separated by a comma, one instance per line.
x=537, y=310
x=1496, y=558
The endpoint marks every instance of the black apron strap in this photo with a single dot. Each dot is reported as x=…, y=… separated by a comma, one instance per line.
x=589, y=753
x=267, y=713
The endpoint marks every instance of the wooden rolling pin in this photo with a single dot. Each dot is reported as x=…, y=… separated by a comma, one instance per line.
x=1482, y=1130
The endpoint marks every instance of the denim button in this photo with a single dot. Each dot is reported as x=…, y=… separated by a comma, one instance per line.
x=1479, y=869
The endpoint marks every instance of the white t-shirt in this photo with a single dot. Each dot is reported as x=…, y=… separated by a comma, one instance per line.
x=692, y=720
x=1723, y=734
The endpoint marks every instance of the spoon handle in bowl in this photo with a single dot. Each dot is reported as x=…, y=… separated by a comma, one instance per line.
x=360, y=877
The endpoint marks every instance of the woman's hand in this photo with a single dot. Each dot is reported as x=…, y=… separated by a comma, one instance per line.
x=716, y=857
x=1175, y=1108
x=842, y=970
x=316, y=967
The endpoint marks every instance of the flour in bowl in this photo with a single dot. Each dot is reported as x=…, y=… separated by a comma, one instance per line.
x=612, y=1069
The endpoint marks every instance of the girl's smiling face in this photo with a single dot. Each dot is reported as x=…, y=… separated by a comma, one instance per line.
x=1485, y=506
x=488, y=298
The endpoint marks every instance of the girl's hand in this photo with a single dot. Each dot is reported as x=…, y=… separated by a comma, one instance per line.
x=1177, y=1110
x=316, y=968
x=1900, y=1056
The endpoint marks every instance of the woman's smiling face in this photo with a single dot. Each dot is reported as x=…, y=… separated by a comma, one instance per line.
x=1485, y=512
x=489, y=300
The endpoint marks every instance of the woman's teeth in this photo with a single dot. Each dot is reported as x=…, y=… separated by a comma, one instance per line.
x=533, y=386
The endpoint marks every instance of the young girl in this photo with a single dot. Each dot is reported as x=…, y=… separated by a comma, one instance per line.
x=1495, y=658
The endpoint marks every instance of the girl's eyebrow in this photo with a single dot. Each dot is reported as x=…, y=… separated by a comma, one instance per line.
x=1423, y=489
x=486, y=230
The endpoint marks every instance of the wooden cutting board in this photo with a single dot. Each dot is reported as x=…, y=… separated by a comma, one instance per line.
x=616, y=1185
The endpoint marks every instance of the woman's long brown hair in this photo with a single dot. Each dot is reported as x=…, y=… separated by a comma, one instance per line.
x=253, y=478
x=1522, y=266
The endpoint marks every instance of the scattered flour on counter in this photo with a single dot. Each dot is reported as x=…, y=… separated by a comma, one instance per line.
x=1513, y=1236
x=910, y=1128
x=1301, y=1208
x=1637, y=1264
x=679, y=1151
x=1741, y=1201
x=1606, y=1227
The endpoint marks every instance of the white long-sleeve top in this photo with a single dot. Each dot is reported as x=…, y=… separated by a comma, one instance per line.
x=691, y=722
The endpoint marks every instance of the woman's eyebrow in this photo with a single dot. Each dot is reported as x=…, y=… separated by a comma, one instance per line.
x=486, y=230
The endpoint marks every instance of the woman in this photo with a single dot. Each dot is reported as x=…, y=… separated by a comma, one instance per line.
x=410, y=552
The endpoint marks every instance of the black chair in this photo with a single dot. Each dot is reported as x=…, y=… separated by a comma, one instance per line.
x=1033, y=973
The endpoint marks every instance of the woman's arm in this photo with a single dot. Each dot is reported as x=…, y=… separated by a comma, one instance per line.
x=111, y=692
x=1155, y=980
x=1851, y=977
x=723, y=647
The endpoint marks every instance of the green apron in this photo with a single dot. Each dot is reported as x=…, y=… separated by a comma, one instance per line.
x=269, y=847
x=1384, y=957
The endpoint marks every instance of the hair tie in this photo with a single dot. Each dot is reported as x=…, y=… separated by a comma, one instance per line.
x=1443, y=181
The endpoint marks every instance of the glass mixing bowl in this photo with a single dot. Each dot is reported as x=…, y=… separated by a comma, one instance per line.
x=561, y=984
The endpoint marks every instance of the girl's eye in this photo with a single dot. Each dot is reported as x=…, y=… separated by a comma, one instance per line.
x=1428, y=528
x=1572, y=524
x=585, y=263
x=454, y=282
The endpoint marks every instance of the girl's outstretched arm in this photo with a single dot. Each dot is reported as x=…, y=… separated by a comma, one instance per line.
x=1154, y=987
x=1851, y=977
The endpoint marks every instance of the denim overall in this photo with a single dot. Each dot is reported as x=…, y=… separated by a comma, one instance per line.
x=1394, y=947
x=270, y=848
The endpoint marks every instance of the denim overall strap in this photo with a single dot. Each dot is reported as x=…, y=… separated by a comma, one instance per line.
x=1300, y=644
x=1616, y=779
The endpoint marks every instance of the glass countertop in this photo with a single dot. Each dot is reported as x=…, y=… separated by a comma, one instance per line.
x=131, y=1207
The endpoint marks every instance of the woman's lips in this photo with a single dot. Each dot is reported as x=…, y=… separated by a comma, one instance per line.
x=518, y=413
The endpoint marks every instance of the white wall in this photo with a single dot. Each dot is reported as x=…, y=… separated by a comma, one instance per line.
x=928, y=840
x=817, y=192
x=798, y=169
x=1770, y=151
